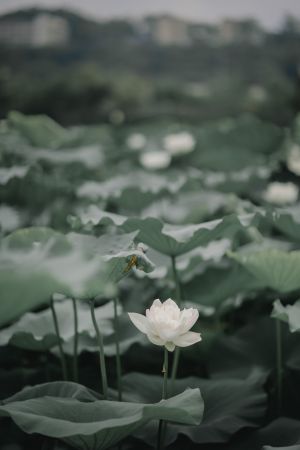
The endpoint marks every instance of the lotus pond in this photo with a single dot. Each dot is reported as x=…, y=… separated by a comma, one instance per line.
x=97, y=223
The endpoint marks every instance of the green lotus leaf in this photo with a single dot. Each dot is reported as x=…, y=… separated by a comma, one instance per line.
x=73, y=416
x=37, y=262
x=35, y=331
x=127, y=335
x=132, y=201
x=230, y=405
x=288, y=447
x=236, y=144
x=90, y=157
x=242, y=182
x=190, y=264
x=251, y=349
x=139, y=180
x=189, y=207
x=117, y=253
x=40, y=131
x=63, y=389
x=169, y=239
x=275, y=268
x=26, y=239
x=234, y=283
x=286, y=220
x=198, y=260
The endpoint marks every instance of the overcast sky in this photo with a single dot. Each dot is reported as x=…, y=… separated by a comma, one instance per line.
x=269, y=12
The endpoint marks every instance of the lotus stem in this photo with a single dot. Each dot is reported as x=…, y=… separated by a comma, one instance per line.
x=178, y=299
x=175, y=366
x=161, y=427
x=118, y=357
x=101, y=351
x=279, y=367
x=255, y=235
x=75, y=352
x=178, y=295
x=61, y=352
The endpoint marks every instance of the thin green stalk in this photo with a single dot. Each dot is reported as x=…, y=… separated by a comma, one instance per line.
x=161, y=431
x=61, y=352
x=165, y=372
x=279, y=367
x=255, y=235
x=175, y=366
x=176, y=280
x=118, y=357
x=178, y=299
x=75, y=352
x=101, y=351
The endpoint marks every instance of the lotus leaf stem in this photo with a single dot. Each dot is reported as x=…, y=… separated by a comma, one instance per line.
x=101, y=351
x=59, y=339
x=161, y=425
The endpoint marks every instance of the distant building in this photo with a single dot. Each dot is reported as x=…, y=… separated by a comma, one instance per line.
x=244, y=31
x=168, y=30
x=205, y=33
x=43, y=30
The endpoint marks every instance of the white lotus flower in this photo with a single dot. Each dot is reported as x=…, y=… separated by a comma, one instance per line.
x=136, y=141
x=164, y=324
x=179, y=143
x=155, y=159
x=281, y=193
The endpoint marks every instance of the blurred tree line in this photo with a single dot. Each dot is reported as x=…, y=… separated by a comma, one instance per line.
x=108, y=73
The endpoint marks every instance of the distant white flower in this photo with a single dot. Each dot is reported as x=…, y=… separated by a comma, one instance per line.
x=198, y=90
x=136, y=141
x=155, y=159
x=293, y=160
x=10, y=218
x=257, y=93
x=179, y=143
x=165, y=325
x=281, y=193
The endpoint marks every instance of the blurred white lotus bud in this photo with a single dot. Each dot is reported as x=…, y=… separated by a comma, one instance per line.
x=155, y=160
x=293, y=159
x=257, y=93
x=179, y=143
x=281, y=193
x=136, y=141
x=165, y=325
x=10, y=218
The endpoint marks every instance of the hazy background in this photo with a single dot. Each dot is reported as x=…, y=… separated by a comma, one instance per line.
x=183, y=111
x=269, y=12
x=132, y=61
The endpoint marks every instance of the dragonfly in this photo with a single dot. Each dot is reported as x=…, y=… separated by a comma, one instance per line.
x=133, y=262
